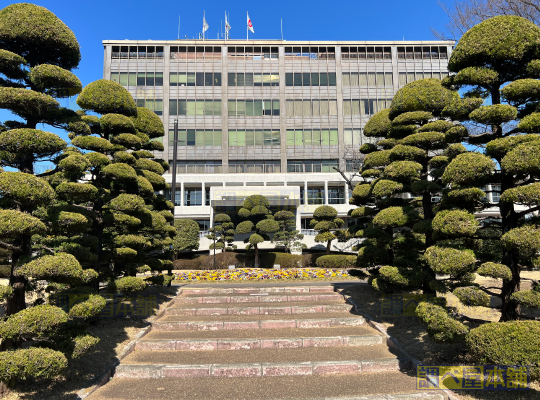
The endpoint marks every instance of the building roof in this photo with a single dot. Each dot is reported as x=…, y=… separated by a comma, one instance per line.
x=275, y=42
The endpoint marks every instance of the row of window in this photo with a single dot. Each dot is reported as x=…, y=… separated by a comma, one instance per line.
x=200, y=137
x=306, y=108
x=367, y=79
x=265, y=137
x=197, y=167
x=262, y=53
x=134, y=52
x=255, y=108
x=302, y=166
x=310, y=79
x=138, y=78
x=353, y=137
x=195, y=107
x=365, y=106
x=195, y=78
x=408, y=77
x=315, y=137
x=254, y=167
x=315, y=195
x=253, y=79
x=269, y=79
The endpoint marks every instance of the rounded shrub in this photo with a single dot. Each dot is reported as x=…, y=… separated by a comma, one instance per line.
x=47, y=76
x=149, y=123
x=336, y=261
x=129, y=284
x=378, y=125
x=25, y=189
x=507, y=343
x=31, y=363
x=28, y=142
x=106, y=97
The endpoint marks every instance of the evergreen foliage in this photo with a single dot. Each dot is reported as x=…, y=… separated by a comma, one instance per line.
x=326, y=223
x=287, y=237
x=187, y=235
x=222, y=233
x=259, y=222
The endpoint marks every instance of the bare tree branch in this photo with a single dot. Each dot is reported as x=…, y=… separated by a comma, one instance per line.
x=463, y=15
x=9, y=247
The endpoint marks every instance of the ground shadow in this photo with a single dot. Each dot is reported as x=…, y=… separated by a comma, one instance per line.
x=114, y=333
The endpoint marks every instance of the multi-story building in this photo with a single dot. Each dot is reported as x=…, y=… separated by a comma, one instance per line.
x=266, y=116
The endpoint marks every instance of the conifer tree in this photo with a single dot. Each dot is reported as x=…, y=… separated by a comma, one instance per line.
x=37, y=53
x=259, y=221
x=187, y=235
x=326, y=223
x=222, y=233
x=132, y=223
x=403, y=171
x=497, y=60
x=288, y=237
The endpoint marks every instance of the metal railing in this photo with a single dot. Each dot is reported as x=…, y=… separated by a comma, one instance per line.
x=308, y=232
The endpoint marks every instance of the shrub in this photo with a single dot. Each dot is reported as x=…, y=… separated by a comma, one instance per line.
x=33, y=362
x=129, y=284
x=507, y=343
x=336, y=261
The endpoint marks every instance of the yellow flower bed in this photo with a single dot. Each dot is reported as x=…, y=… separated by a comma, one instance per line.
x=258, y=274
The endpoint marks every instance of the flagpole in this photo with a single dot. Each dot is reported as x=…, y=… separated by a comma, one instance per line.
x=178, y=26
x=204, y=19
x=247, y=27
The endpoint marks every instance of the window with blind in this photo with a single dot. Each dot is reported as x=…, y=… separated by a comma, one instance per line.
x=197, y=167
x=303, y=166
x=353, y=137
x=196, y=137
x=138, y=78
x=155, y=105
x=254, y=167
x=253, y=79
x=408, y=77
x=306, y=108
x=253, y=108
x=195, y=78
x=195, y=107
x=261, y=137
x=315, y=137
x=367, y=79
x=310, y=79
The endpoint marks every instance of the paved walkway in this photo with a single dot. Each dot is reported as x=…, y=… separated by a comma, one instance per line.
x=262, y=341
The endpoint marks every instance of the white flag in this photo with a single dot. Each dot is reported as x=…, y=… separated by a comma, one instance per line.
x=204, y=25
x=227, y=25
x=250, y=25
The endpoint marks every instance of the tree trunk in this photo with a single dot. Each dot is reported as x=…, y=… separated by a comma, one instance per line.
x=256, y=255
x=428, y=214
x=328, y=244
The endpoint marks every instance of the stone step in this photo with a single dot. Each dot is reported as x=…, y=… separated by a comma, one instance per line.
x=380, y=386
x=157, y=371
x=256, y=298
x=248, y=344
x=247, y=290
x=257, y=322
x=257, y=308
x=362, y=330
x=269, y=355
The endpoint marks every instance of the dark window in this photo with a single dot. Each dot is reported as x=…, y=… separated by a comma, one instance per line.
x=297, y=79
x=289, y=79
x=141, y=79
x=306, y=79
x=232, y=79
x=191, y=137
x=192, y=197
x=173, y=107
x=159, y=79
x=199, y=79
x=217, y=78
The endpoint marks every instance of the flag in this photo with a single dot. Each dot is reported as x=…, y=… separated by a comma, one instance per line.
x=204, y=25
x=227, y=25
x=250, y=25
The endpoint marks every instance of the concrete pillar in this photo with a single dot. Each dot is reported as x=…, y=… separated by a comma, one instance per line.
x=203, y=188
x=181, y=194
x=224, y=111
x=305, y=194
x=325, y=193
x=346, y=194
x=339, y=88
x=298, y=219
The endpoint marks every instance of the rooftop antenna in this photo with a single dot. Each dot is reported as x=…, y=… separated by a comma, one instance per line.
x=178, y=26
x=282, y=29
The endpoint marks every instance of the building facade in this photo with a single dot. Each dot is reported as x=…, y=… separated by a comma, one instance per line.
x=269, y=117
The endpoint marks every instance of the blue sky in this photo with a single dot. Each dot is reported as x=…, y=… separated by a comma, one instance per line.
x=97, y=20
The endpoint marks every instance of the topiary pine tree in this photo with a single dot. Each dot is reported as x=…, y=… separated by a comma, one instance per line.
x=287, y=237
x=498, y=60
x=325, y=222
x=37, y=52
x=187, y=235
x=259, y=222
x=418, y=139
x=132, y=221
x=223, y=233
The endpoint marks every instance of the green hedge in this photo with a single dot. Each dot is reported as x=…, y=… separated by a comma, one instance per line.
x=242, y=260
x=336, y=261
x=507, y=343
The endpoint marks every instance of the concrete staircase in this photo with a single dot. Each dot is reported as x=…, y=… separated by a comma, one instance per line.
x=287, y=342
